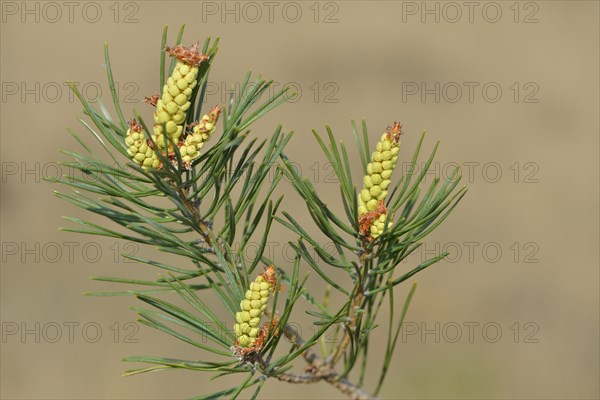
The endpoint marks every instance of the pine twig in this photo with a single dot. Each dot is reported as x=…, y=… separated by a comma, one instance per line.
x=350, y=389
x=352, y=316
x=320, y=370
x=195, y=212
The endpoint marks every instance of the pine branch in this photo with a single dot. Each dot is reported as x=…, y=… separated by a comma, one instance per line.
x=174, y=185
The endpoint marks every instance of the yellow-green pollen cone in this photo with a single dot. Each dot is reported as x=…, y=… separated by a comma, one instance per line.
x=173, y=104
x=378, y=225
x=253, y=307
x=139, y=149
x=371, y=210
x=199, y=134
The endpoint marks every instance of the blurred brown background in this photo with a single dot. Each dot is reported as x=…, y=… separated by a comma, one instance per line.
x=509, y=88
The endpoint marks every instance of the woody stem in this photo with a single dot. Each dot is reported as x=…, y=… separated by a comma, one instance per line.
x=320, y=371
x=195, y=212
x=352, y=317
